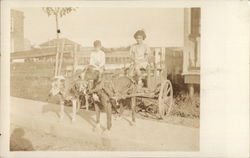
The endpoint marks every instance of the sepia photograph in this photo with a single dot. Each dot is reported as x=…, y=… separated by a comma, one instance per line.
x=124, y=79
x=104, y=79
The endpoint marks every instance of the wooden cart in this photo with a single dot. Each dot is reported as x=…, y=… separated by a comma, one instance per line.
x=157, y=96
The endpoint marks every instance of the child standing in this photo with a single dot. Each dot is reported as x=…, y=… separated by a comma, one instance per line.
x=139, y=53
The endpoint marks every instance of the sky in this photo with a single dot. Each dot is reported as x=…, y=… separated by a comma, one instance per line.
x=113, y=26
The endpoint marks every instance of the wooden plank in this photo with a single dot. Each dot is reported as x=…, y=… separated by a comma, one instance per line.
x=144, y=95
x=192, y=79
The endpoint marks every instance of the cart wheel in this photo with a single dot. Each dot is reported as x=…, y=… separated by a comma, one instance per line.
x=165, y=100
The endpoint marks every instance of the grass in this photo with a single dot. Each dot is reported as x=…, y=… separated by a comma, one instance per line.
x=184, y=106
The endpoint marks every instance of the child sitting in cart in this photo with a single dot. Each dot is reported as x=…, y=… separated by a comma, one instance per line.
x=97, y=62
x=139, y=53
x=97, y=57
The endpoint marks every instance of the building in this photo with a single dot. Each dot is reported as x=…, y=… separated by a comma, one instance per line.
x=17, y=30
x=191, y=53
x=68, y=45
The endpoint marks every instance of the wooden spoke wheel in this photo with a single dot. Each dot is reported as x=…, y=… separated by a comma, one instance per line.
x=165, y=100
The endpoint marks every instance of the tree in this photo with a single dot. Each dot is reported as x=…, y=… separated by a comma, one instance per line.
x=58, y=13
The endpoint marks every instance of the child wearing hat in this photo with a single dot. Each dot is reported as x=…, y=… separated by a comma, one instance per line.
x=139, y=53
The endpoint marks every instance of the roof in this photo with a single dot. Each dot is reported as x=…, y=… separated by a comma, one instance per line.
x=33, y=53
x=53, y=42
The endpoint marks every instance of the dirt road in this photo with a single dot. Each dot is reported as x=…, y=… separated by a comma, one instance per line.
x=36, y=126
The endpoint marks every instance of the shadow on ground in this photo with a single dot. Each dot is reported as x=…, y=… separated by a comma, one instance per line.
x=51, y=108
x=18, y=142
x=86, y=115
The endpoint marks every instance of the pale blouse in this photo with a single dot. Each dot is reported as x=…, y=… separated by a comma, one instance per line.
x=97, y=58
x=140, y=53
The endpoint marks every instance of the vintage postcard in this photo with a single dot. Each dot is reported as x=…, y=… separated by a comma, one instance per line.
x=113, y=77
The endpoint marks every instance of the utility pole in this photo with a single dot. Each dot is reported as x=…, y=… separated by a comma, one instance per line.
x=57, y=46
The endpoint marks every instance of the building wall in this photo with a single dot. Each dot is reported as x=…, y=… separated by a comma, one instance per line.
x=17, y=30
x=191, y=52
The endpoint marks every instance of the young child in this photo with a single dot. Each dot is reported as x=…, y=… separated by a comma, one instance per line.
x=97, y=61
x=139, y=53
x=97, y=57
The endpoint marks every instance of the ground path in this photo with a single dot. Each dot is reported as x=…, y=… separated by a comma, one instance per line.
x=44, y=131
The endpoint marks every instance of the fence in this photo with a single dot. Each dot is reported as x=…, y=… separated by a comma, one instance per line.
x=31, y=78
